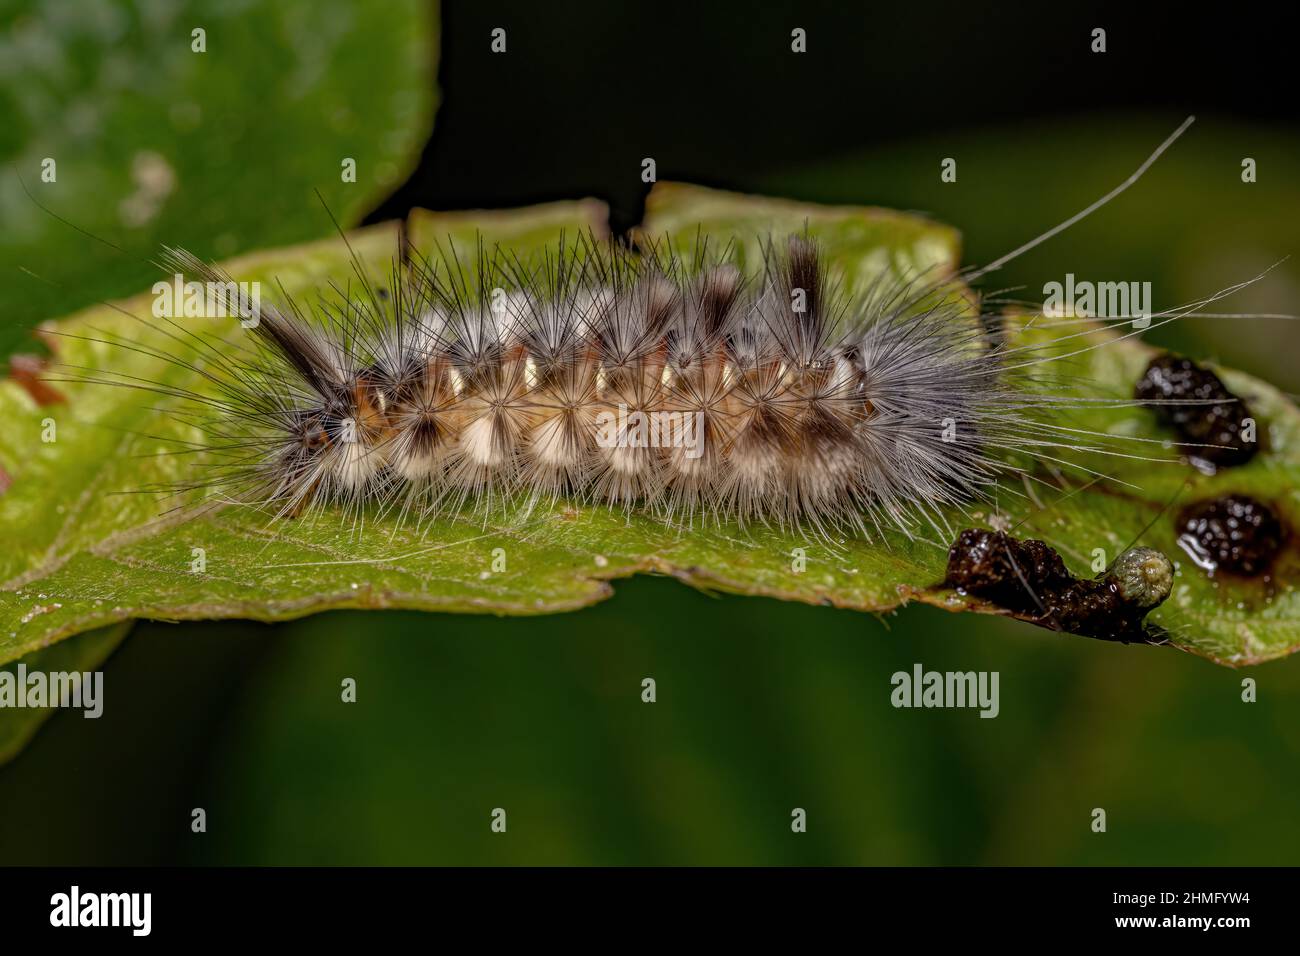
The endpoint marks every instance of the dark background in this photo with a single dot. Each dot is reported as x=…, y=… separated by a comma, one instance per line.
x=763, y=706
x=713, y=93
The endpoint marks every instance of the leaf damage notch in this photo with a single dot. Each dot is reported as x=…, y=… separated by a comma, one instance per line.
x=25, y=371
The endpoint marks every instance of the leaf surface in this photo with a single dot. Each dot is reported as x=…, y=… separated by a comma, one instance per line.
x=85, y=555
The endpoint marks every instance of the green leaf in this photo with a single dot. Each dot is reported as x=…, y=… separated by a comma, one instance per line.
x=217, y=151
x=102, y=557
x=863, y=241
x=1230, y=621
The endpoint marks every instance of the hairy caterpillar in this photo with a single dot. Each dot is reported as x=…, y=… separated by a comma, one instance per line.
x=643, y=379
x=632, y=379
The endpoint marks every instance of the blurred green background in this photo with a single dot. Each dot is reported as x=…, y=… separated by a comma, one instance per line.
x=762, y=706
